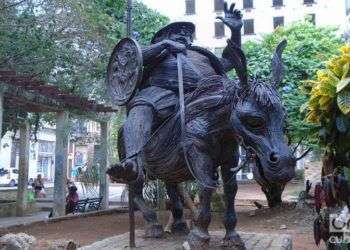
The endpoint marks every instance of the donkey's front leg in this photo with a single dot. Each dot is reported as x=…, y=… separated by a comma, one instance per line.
x=232, y=239
x=153, y=228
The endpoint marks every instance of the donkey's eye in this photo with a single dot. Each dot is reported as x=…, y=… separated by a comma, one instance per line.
x=254, y=122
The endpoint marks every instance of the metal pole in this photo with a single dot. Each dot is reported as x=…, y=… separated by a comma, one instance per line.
x=131, y=191
x=129, y=19
x=1, y=114
x=131, y=218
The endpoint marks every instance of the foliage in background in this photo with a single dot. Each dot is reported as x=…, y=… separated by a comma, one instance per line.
x=117, y=122
x=89, y=179
x=68, y=42
x=308, y=46
x=329, y=107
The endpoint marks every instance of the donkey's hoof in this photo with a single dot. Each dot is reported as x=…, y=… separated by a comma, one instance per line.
x=198, y=239
x=233, y=241
x=179, y=228
x=154, y=231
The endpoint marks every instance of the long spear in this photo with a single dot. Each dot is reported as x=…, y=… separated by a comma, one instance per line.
x=131, y=191
x=129, y=19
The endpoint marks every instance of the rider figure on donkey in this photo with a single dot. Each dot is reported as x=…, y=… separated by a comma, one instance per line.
x=158, y=95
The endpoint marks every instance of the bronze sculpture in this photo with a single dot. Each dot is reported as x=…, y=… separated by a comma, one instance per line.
x=179, y=139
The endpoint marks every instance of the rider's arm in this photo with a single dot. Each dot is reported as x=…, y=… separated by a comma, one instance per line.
x=151, y=52
x=226, y=58
x=233, y=20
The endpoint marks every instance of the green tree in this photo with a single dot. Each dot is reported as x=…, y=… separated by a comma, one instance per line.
x=308, y=46
x=68, y=42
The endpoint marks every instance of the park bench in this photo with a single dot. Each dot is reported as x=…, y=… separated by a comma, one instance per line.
x=88, y=205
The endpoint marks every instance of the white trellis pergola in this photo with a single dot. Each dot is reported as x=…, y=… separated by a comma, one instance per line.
x=24, y=93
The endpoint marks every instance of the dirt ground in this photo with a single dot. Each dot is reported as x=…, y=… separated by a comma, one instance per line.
x=287, y=220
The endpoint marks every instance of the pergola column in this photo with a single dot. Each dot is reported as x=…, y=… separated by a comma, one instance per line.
x=1, y=113
x=23, y=169
x=104, y=161
x=61, y=157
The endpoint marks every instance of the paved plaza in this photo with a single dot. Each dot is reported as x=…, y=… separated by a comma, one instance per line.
x=253, y=241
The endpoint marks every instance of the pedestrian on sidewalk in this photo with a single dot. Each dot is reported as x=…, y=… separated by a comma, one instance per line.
x=39, y=189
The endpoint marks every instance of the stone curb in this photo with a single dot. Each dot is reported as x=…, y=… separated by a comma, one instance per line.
x=66, y=217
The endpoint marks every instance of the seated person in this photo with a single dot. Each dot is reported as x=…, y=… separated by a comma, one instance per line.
x=72, y=198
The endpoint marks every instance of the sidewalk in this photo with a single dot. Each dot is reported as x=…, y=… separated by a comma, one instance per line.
x=24, y=220
x=246, y=192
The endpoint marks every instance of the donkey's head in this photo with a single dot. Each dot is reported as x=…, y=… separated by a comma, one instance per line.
x=258, y=119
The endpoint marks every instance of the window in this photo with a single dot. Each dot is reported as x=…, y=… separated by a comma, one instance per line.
x=309, y=1
x=42, y=164
x=46, y=147
x=219, y=29
x=311, y=18
x=277, y=3
x=278, y=21
x=190, y=7
x=247, y=4
x=248, y=26
x=15, y=145
x=218, y=5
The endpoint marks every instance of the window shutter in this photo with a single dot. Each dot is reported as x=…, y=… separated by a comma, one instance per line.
x=247, y=4
x=277, y=3
x=312, y=18
x=219, y=29
x=248, y=26
x=278, y=21
x=218, y=5
x=190, y=7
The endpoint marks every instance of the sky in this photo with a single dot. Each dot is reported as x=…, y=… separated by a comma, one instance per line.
x=161, y=6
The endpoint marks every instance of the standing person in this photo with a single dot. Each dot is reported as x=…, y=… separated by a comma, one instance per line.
x=39, y=187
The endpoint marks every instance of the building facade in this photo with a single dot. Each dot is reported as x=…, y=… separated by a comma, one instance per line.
x=42, y=152
x=259, y=16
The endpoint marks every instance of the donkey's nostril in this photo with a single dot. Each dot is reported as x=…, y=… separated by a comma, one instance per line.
x=274, y=157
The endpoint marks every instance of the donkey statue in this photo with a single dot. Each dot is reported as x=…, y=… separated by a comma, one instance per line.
x=221, y=115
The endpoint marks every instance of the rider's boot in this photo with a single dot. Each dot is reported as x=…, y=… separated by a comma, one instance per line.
x=126, y=171
x=136, y=132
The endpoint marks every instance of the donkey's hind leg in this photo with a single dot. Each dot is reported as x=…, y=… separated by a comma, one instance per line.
x=232, y=239
x=153, y=228
x=179, y=226
x=203, y=169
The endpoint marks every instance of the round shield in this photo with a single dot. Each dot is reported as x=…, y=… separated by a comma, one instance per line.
x=124, y=72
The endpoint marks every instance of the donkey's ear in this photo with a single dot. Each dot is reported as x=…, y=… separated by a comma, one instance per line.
x=239, y=61
x=277, y=64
